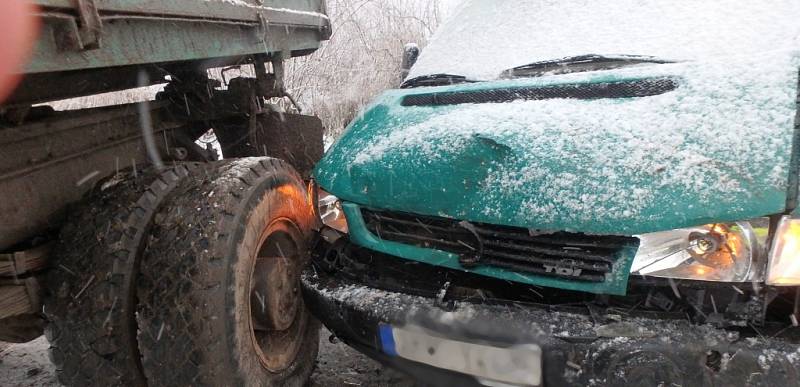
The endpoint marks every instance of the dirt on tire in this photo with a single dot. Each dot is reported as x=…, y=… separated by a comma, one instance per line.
x=194, y=292
x=90, y=299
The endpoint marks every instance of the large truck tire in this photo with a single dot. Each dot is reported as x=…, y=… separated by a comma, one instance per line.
x=219, y=294
x=90, y=299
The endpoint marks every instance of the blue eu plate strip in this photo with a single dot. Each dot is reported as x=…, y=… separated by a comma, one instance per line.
x=387, y=339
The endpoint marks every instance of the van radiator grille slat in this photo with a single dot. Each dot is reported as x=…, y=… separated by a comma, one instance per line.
x=565, y=255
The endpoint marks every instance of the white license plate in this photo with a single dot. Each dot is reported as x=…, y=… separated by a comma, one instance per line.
x=518, y=364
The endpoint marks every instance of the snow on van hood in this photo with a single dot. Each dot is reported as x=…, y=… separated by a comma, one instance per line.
x=717, y=148
x=483, y=38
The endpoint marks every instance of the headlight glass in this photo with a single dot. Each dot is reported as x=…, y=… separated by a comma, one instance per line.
x=784, y=256
x=330, y=211
x=725, y=252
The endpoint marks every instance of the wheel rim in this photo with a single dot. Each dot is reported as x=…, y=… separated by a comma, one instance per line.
x=277, y=313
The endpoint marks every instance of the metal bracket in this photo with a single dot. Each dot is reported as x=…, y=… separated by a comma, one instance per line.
x=279, y=70
x=269, y=85
x=262, y=28
x=91, y=27
x=79, y=33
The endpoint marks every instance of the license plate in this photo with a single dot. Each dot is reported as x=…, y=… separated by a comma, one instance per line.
x=518, y=364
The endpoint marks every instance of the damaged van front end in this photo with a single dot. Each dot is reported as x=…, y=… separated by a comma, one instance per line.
x=632, y=222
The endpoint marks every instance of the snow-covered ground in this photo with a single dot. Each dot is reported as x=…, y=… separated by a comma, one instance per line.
x=27, y=365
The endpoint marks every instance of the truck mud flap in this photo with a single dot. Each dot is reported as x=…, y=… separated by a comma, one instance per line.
x=295, y=138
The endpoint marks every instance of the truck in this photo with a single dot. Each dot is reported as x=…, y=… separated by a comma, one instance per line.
x=144, y=257
x=575, y=194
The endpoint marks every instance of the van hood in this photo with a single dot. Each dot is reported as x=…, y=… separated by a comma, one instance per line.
x=715, y=146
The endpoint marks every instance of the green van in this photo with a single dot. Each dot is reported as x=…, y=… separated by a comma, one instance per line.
x=575, y=193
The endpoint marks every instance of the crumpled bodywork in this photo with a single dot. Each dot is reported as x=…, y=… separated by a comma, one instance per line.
x=681, y=332
x=717, y=148
x=578, y=349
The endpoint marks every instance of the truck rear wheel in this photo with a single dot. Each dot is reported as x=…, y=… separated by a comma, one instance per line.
x=91, y=286
x=219, y=297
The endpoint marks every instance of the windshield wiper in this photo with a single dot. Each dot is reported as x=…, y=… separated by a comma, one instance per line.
x=434, y=80
x=576, y=64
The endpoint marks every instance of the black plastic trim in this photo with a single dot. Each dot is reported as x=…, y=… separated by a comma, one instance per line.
x=585, y=91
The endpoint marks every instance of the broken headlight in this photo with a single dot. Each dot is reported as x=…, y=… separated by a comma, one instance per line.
x=784, y=256
x=724, y=252
x=329, y=208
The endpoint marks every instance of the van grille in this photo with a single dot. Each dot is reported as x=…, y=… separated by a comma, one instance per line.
x=572, y=256
x=623, y=89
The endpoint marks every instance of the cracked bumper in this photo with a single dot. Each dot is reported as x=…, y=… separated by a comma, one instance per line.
x=576, y=350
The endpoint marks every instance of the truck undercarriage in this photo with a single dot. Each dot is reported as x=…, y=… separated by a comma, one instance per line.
x=89, y=192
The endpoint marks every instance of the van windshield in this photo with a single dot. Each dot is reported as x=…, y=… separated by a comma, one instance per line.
x=482, y=39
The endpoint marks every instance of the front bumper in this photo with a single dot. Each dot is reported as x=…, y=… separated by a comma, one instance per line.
x=576, y=349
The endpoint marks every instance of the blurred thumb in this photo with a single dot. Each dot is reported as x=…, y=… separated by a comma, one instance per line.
x=19, y=27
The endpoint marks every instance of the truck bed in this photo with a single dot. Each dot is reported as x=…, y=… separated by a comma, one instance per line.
x=85, y=34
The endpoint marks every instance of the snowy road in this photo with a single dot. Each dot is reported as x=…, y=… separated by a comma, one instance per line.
x=338, y=365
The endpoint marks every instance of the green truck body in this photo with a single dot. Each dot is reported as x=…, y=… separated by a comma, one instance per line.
x=106, y=33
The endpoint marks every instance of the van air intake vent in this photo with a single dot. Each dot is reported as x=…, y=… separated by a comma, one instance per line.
x=624, y=89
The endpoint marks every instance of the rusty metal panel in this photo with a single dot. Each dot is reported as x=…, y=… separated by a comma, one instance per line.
x=295, y=138
x=51, y=163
